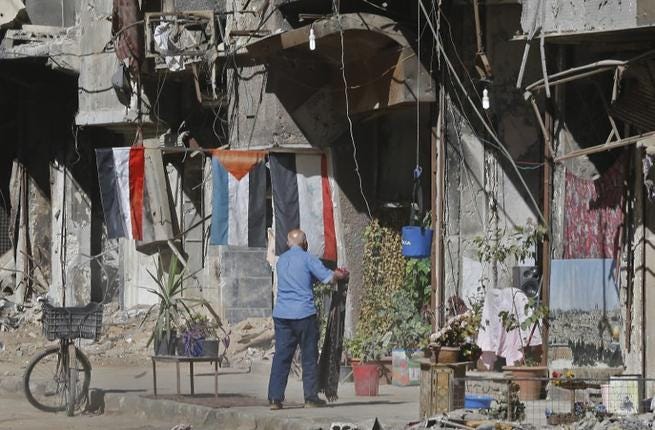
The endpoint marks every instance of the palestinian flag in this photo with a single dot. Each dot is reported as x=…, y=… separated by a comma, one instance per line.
x=120, y=176
x=238, y=198
x=302, y=198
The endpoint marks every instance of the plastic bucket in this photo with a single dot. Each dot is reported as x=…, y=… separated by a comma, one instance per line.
x=367, y=380
x=416, y=241
x=475, y=401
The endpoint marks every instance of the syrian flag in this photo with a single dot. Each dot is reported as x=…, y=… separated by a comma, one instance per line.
x=120, y=176
x=302, y=198
x=238, y=198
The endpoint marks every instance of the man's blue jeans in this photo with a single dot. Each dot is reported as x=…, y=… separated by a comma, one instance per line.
x=288, y=335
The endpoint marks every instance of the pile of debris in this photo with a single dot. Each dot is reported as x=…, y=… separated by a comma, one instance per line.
x=125, y=335
x=468, y=420
x=628, y=422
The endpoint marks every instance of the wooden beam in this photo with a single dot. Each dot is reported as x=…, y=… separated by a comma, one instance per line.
x=438, y=184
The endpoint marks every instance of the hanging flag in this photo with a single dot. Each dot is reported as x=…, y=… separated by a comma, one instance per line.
x=239, y=198
x=302, y=198
x=120, y=176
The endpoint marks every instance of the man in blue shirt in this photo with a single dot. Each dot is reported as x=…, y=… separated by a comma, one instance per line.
x=294, y=316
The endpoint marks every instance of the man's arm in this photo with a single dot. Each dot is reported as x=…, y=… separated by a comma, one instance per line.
x=323, y=274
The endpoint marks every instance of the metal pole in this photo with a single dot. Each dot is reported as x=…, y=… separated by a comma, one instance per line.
x=545, y=253
x=439, y=146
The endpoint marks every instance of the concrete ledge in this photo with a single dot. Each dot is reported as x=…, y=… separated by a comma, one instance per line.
x=203, y=416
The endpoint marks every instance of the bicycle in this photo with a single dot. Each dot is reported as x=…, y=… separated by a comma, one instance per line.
x=52, y=380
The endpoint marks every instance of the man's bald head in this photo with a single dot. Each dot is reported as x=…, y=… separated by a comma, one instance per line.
x=297, y=237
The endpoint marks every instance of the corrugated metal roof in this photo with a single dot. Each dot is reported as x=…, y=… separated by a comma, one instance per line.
x=636, y=102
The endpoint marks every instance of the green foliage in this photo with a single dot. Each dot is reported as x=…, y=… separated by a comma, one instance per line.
x=383, y=267
x=174, y=311
x=410, y=330
x=518, y=245
x=418, y=280
x=368, y=348
x=458, y=330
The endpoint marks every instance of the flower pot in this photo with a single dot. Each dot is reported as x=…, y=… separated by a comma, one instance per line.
x=367, y=379
x=531, y=381
x=445, y=354
x=166, y=344
x=210, y=348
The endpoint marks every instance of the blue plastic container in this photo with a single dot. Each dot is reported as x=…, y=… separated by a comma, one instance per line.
x=476, y=401
x=417, y=241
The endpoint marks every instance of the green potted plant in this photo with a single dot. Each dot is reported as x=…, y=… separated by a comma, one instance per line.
x=529, y=374
x=516, y=246
x=201, y=335
x=365, y=353
x=446, y=343
x=172, y=309
x=410, y=333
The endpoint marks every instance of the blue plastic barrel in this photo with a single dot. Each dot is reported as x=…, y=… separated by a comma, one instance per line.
x=476, y=401
x=417, y=241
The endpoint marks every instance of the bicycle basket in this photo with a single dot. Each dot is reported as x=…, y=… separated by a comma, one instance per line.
x=72, y=323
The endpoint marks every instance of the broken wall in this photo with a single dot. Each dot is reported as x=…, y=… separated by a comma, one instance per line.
x=571, y=16
x=484, y=192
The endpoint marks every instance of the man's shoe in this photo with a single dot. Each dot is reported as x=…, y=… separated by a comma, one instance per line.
x=276, y=406
x=315, y=403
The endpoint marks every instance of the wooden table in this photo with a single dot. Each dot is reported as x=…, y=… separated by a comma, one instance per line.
x=177, y=359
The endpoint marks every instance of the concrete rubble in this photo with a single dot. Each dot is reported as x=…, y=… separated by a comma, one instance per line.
x=125, y=335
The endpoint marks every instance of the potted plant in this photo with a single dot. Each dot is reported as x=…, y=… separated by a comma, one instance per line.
x=517, y=246
x=202, y=336
x=410, y=333
x=529, y=374
x=446, y=342
x=365, y=353
x=171, y=308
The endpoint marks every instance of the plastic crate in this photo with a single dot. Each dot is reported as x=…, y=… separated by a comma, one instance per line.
x=72, y=323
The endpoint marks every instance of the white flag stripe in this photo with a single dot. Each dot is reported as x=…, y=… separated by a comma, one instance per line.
x=310, y=201
x=239, y=192
x=122, y=168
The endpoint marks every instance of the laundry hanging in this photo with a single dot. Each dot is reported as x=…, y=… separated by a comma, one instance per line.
x=238, y=198
x=120, y=176
x=302, y=198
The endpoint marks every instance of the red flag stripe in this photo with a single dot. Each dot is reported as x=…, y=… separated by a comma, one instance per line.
x=137, y=162
x=328, y=214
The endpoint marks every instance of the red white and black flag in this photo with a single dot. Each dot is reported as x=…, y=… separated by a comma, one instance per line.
x=302, y=198
x=120, y=176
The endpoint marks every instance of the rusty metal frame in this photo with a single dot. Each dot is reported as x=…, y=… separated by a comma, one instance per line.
x=152, y=17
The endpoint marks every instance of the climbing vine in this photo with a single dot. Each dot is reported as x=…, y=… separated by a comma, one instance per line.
x=383, y=273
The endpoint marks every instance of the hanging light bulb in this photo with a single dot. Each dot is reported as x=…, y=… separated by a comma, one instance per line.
x=485, y=99
x=312, y=39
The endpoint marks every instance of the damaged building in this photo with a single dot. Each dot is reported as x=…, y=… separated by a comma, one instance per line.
x=516, y=112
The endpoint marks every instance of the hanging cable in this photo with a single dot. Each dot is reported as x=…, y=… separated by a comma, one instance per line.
x=487, y=127
x=418, y=82
x=350, y=122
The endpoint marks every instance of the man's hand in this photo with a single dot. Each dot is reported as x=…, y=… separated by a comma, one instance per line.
x=341, y=274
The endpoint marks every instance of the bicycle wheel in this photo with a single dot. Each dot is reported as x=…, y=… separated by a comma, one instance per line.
x=46, y=379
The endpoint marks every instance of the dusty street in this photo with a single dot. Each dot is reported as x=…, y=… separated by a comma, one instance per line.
x=17, y=414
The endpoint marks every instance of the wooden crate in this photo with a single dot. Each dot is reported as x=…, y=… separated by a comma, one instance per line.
x=441, y=391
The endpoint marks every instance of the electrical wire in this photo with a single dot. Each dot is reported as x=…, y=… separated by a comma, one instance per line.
x=491, y=132
x=418, y=87
x=350, y=122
